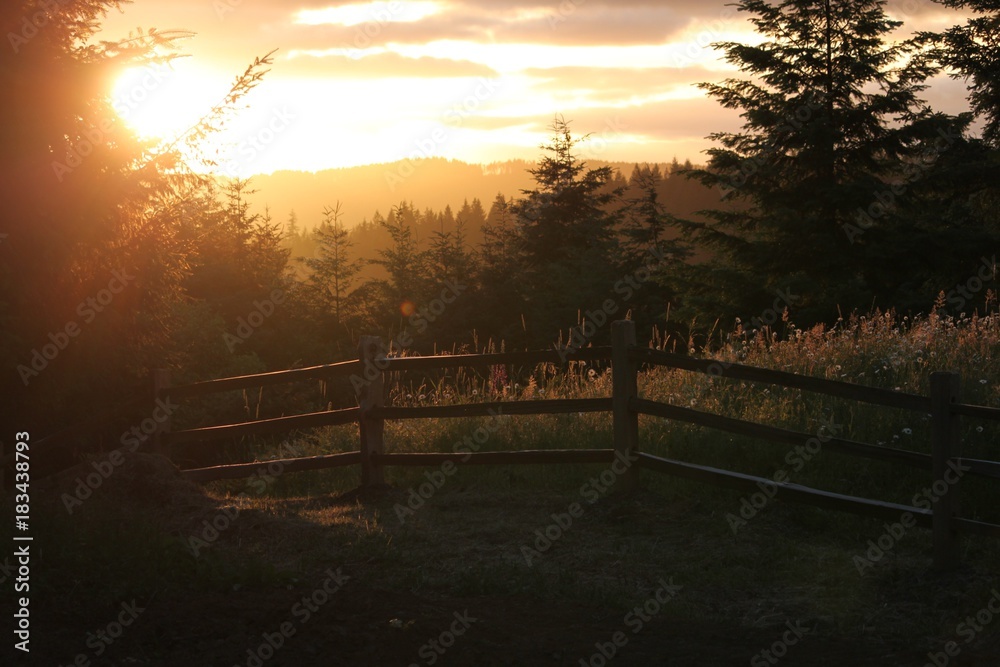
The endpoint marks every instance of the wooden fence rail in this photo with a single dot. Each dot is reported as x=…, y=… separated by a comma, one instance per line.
x=367, y=375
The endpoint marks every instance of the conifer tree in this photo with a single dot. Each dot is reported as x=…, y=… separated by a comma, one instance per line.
x=333, y=271
x=831, y=115
x=955, y=195
x=405, y=265
x=567, y=235
x=449, y=256
x=499, y=276
x=972, y=50
x=646, y=224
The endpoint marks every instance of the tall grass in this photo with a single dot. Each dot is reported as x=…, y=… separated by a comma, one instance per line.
x=880, y=350
x=791, y=561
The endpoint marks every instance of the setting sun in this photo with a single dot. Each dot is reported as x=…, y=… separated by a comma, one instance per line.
x=500, y=332
x=161, y=101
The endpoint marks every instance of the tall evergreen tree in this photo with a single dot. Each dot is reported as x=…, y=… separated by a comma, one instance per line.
x=405, y=265
x=832, y=114
x=473, y=214
x=972, y=50
x=449, y=257
x=333, y=271
x=85, y=204
x=499, y=276
x=651, y=242
x=646, y=223
x=959, y=192
x=292, y=228
x=567, y=235
x=499, y=256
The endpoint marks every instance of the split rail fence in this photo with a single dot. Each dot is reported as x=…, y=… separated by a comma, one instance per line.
x=368, y=374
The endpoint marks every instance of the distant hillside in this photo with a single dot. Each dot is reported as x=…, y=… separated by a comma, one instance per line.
x=430, y=183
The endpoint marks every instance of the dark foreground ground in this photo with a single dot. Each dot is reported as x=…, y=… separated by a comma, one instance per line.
x=331, y=580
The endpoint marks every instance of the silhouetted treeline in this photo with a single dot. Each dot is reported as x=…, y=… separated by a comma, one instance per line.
x=520, y=271
x=842, y=191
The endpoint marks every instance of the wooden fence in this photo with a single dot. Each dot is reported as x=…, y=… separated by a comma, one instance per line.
x=367, y=374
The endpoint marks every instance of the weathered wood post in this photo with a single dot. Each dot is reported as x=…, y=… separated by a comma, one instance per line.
x=371, y=394
x=946, y=444
x=161, y=382
x=625, y=387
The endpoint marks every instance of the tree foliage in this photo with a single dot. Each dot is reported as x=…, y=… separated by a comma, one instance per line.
x=832, y=115
x=972, y=51
x=567, y=235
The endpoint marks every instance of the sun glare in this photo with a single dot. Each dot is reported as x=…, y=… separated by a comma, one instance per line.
x=162, y=101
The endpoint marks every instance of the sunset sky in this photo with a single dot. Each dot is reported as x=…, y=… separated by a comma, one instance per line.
x=477, y=80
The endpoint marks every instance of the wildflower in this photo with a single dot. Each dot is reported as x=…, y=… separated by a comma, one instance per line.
x=979, y=429
x=694, y=402
x=475, y=392
x=982, y=382
x=907, y=431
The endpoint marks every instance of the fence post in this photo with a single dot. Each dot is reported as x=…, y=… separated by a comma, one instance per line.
x=945, y=442
x=371, y=394
x=161, y=382
x=624, y=388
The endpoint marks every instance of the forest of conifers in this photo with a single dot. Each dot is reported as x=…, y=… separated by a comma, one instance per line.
x=843, y=192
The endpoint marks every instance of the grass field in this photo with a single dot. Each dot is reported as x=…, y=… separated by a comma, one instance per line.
x=550, y=563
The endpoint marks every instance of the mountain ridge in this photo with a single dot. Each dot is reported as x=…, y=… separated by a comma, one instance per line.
x=433, y=183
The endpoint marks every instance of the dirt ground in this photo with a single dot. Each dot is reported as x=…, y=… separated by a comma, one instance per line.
x=372, y=627
x=360, y=615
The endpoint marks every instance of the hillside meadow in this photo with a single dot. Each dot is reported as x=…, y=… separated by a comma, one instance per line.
x=551, y=561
